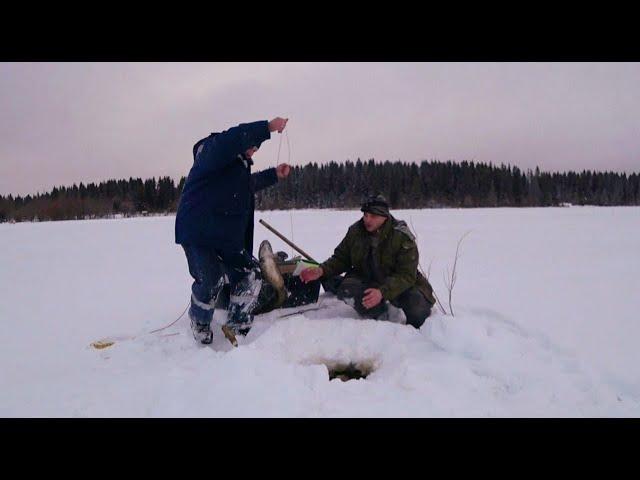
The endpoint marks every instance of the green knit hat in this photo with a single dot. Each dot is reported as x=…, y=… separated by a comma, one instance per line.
x=377, y=205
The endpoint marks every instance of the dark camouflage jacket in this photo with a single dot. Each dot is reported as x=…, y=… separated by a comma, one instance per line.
x=394, y=252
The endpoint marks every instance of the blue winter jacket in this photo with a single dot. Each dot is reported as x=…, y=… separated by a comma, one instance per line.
x=217, y=202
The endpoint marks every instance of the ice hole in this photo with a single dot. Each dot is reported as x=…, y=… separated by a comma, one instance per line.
x=350, y=371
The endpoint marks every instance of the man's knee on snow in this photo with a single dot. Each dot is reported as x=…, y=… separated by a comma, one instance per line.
x=414, y=305
x=351, y=291
x=351, y=288
x=332, y=284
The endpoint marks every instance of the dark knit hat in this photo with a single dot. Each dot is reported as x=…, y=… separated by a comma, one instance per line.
x=377, y=205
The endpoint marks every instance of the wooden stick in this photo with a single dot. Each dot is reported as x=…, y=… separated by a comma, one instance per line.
x=291, y=244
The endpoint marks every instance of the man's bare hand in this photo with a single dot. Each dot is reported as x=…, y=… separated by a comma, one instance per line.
x=283, y=171
x=372, y=297
x=311, y=274
x=278, y=124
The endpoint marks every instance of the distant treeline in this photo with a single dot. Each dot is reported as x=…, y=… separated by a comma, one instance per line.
x=430, y=184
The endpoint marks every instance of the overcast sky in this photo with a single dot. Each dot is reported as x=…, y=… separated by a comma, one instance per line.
x=65, y=123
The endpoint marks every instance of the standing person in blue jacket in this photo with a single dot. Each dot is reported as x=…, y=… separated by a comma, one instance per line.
x=214, y=222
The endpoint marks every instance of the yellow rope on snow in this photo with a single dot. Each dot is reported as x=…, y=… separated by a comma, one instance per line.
x=100, y=344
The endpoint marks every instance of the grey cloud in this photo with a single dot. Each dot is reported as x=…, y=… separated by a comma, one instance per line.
x=66, y=123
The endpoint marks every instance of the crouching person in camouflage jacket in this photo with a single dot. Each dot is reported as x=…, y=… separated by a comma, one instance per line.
x=380, y=257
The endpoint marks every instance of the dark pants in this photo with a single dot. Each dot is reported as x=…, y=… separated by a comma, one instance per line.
x=412, y=302
x=208, y=268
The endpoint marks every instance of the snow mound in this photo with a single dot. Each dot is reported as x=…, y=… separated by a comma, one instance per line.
x=476, y=364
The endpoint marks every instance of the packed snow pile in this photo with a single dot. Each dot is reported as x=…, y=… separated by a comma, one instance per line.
x=530, y=337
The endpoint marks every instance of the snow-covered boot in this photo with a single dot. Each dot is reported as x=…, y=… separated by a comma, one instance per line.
x=201, y=332
x=243, y=302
